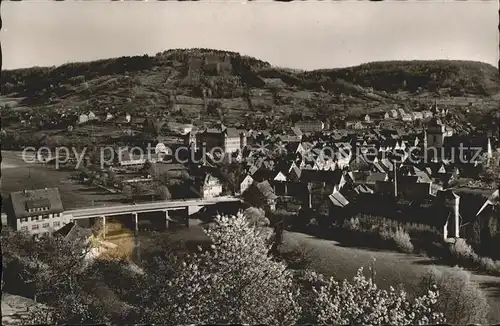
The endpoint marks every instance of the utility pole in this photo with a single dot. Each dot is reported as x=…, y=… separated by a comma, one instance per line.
x=395, y=179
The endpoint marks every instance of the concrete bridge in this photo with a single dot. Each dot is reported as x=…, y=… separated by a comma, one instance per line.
x=136, y=209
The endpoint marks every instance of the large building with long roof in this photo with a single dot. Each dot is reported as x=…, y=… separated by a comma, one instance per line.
x=38, y=211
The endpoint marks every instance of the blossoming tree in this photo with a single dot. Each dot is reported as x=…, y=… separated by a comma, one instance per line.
x=235, y=281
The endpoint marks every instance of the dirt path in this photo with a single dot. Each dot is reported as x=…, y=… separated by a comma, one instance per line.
x=333, y=259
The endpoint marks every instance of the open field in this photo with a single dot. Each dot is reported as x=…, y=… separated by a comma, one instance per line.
x=18, y=175
x=332, y=259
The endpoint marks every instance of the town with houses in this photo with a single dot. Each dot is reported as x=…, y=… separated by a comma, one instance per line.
x=330, y=173
x=355, y=180
x=310, y=176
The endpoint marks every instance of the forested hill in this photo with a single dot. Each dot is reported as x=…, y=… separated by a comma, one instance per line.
x=470, y=77
x=188, y=77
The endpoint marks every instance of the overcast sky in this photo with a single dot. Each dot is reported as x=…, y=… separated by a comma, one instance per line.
x=305, y=35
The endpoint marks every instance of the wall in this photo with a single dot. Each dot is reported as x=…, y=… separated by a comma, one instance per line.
x=232, y=145
x=212, y=191
x=62, y=219
x=245, y=184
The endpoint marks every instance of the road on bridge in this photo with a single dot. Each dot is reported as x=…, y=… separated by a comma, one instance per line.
x=144, y=207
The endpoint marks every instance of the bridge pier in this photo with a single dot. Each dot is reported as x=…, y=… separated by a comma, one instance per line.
x=186, y=216
x=166, y=219
x=136, y=218
x=104, y=227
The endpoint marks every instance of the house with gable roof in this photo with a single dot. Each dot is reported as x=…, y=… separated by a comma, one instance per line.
x=280, y=182
x=296, y=133
x=211, y=186
x=37, y=212
x=338, y=199
x=246, y=183
x=261, y=195
x=83, y=118
x=74, y=233
x=92, y=116
x=227, y=140
x=340, y=205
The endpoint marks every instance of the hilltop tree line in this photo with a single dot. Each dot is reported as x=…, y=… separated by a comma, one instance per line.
x=41, y=84
x=460, y=76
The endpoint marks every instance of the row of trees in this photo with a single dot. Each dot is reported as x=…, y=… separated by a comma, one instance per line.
x=139, y=189
x=234, y=279
x=159, y=186
x=460, y=76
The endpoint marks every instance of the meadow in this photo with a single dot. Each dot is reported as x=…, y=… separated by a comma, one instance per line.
x=18, y=175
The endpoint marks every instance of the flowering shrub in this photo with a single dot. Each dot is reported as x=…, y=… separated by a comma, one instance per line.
x=361, y=302
x=464, y=254
x=256, y=216
x=461, y=250
x=234, y=282
x=392, y=235
x=352, y=224
x=461, y=300
x=402, y=240
x=490, y=265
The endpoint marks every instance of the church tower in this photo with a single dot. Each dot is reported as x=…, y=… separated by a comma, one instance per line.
x=435, y=133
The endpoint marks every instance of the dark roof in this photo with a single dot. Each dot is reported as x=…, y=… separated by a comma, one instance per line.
x=295, y=173
x=338, y=199
x=331, y=177
x=24, y=200
x=378, y=115
x=208, y=177
x=253, y=169
x=266, y=189
x=376, y=176
x=435, y=122
x=73, y=232
x=37, y=203
x=218, y=128
x=379, y=167
x=292, y=147
x=447, y=197
x=493, y=200
x=296, y=131
x=358, y=176
x=410, y=189
x=423, y=177
x=466, y=141
x=233, y=132
x=363, y=189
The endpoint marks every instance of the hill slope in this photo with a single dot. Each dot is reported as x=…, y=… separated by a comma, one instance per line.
x=197, y=81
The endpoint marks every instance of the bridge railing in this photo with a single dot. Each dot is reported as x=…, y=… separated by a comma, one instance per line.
x=220, y=198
